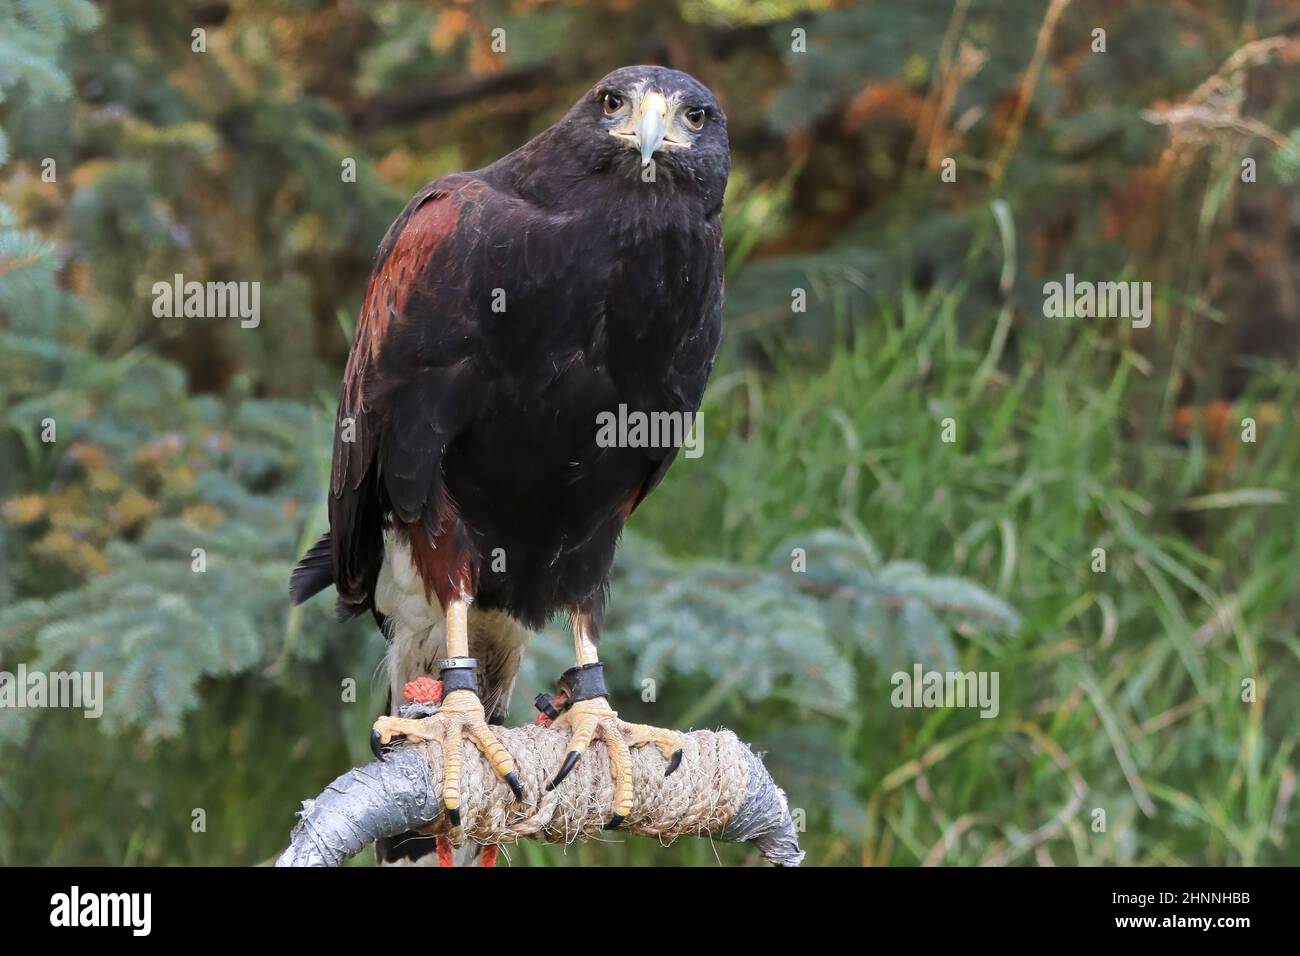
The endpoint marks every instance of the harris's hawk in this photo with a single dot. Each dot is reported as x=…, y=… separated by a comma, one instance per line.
x=508, y=309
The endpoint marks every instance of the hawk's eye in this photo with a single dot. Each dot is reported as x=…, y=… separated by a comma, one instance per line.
x=695, y=116
x=613, y=103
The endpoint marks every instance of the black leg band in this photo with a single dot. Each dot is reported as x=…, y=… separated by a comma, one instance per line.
x=546, y=704
x=459, y=678
x=583, y=682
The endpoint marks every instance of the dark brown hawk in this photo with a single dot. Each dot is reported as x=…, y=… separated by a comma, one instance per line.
x=508, y=309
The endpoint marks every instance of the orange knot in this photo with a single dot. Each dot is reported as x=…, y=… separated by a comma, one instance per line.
x=444, y=851
x=423, y=690
x=489, y=857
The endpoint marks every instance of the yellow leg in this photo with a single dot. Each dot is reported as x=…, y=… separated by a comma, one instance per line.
x=587, y=719
x=460, y=714
x=584, y=644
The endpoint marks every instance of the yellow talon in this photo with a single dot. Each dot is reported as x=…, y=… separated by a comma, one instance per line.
x=586, y=719
x=460, y=714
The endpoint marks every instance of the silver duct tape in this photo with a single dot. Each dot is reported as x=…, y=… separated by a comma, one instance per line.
x=366, y=803
x=764, y=818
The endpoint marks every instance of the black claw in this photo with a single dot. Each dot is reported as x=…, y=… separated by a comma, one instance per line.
x=569, y=760
x=615, y=821
x=512, y=778
x=674, y=762
x=453, y=817
x=376, y=747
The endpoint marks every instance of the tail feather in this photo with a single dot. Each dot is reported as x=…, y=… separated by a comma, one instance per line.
x=314, y=573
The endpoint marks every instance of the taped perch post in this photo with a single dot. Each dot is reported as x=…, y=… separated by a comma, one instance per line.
x=721, y=790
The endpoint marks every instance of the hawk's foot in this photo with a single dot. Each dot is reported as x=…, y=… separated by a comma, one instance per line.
x=587, y=719
x=459, y=715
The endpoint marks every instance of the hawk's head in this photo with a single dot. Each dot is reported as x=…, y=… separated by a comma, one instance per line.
x=639, y=117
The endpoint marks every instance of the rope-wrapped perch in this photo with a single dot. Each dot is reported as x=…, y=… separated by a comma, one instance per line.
x=721, y=790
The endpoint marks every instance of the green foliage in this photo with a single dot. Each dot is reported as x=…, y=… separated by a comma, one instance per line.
x=33, y=32
x=1124, y=686
x=158, y=617
x=788, y=633
x=31, y=35
x=829, y=538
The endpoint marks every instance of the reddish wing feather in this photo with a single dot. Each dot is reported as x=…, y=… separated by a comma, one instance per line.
x=375, y=375
x=406, y=250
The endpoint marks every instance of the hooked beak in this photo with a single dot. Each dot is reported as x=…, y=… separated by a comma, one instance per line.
x=653, y=126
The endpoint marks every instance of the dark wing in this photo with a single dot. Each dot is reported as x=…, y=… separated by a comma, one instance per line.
x=690, y=370
x=369, y=400
x=427, y=344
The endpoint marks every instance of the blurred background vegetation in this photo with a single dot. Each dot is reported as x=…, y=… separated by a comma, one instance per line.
x=128, y=156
